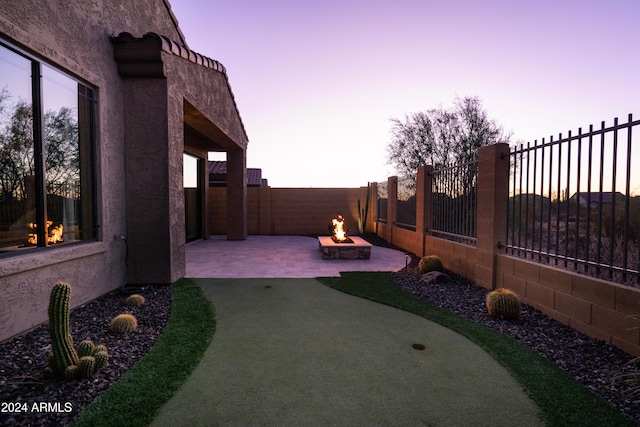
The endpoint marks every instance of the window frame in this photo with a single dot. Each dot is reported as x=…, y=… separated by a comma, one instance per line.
x=86, y=105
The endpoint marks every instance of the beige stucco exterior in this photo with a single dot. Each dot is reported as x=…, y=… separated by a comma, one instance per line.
x=145, y=120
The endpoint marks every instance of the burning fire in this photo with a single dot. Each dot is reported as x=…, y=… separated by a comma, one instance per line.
x=54, y=234
x=338, y=229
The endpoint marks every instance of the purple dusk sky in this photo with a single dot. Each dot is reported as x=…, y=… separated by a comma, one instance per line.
x=317, y=82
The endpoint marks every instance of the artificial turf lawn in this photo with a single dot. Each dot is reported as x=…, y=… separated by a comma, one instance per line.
x=137, y=397
x=139, y=394
x=562, y=399
x=296, y=352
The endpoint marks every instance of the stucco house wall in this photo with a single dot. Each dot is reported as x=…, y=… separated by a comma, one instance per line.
x=135, y=147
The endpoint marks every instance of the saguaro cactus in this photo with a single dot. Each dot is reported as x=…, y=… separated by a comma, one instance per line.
x=364, y=212
x=65, y=361
x=64, y=355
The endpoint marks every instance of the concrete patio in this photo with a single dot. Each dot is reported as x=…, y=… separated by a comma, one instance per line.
x=277, y=257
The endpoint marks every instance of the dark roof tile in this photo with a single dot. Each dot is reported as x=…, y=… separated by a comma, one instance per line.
x=219, y=167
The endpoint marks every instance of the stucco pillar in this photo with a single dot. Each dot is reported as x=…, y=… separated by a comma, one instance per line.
x=493, y=195
x=424, y=203
x=373, y=207
x=237, y=195
x=392, y=205
x=154, y=191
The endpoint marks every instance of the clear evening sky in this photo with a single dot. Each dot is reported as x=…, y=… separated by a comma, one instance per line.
x=317, y=82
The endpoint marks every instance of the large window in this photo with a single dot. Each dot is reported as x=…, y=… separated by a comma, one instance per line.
x=47, y=194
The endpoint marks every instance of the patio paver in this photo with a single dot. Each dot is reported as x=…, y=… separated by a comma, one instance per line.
x=277, y=257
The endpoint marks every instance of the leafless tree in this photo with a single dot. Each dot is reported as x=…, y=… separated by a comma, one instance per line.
x=442, y=137
x=17, y=147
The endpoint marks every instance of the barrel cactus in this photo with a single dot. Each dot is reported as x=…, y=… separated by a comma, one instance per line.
x=503, y=303
x=66, y=361
x=123, y=323
x=134, y=300
x=430, y=263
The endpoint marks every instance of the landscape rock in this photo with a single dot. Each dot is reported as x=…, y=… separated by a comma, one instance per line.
x=435, y=277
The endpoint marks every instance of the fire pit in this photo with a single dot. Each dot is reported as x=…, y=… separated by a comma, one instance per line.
x=339, y=246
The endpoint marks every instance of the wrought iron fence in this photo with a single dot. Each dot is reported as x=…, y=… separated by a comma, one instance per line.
x=406, y=203
x=574, y=202
x=381, y=205
x=454, y=195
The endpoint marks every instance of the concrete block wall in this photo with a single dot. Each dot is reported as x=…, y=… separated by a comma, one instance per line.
x=600, y=309
x=290, y=211
x=456, y=257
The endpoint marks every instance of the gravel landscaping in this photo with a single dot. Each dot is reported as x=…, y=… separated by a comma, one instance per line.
x=26, y=382
x=592, y=362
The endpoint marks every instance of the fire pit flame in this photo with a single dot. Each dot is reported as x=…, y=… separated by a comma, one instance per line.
x=339, y=233
x=338, y=228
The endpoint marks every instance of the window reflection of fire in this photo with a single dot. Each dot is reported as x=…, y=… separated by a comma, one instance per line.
x=54, y=234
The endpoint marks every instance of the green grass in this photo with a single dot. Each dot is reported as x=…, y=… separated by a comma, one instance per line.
x=135, y=399
x=562, y=400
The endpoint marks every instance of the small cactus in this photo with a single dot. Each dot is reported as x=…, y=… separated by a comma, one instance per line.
x=101, y=358
x=65, y=361
x=86, y=366
x=85, y=348
x=134, y=300
x=503, y=303
x=430, y=263
x=99, y=348
x=123, y=323
x=71, y=373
